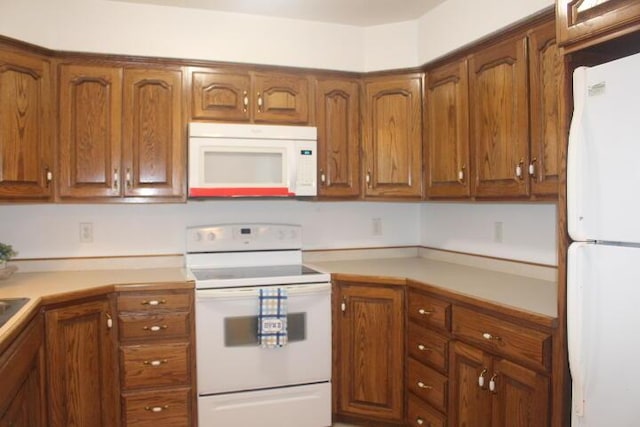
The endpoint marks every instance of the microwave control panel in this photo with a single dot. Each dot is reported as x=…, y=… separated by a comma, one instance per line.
x=307, y=163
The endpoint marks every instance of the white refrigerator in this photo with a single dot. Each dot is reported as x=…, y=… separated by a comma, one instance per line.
x=603, y=263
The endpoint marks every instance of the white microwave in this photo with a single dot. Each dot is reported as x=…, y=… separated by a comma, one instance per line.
x=244, y=160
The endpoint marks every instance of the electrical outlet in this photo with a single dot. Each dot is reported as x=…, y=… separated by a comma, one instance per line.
x=86, y=232
x=498, y=231
x=376, y=226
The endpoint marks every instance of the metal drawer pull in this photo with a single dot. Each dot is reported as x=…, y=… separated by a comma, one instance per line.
x=424, y=386
x=419, y=421
x=154, y=302
x=424, y=312
x=155, y=328
x=155, y=362
x=156, y=408
x=488, y=336
x=422, y=347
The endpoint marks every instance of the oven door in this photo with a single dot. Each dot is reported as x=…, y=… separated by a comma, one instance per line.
x=229, y=357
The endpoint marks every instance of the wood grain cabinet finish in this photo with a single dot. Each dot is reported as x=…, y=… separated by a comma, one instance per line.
x=393, y=136
x=338, y=123
x=546, y=76
x=369, y=351
x=82, y=375
x=122, y=134
x=22, y=369
x=490, y=391
x=429, y=311
x=247, y=96
x=157, y=359
x=26, y=127
x=499, y=119
x=587, y=22
x=447, y=161
x=421, y=415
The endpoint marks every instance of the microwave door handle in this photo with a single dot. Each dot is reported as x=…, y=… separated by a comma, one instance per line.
x=314, y=288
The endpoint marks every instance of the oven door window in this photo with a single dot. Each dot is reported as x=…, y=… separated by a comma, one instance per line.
x=240, y=331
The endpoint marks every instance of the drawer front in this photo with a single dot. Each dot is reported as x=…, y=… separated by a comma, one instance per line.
x=502, y=337
x=420, y=414
x=155, y=365
x=428, y=384
x=155, y=301
x=428, y=347
x=429, y=311
x=142, y=326
x=171, y=408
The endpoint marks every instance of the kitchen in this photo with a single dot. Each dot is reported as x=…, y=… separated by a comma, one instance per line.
x=155, y=233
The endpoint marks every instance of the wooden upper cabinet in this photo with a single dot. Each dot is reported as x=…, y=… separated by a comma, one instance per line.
x=220, y=95
x=447, y=163
x=545, y=82
x=587, y=22
x=154, y=149
x=338, y=123
x=26, y=140
x=90, y=131
x=393, y=136
x=281, y=98
x=122, y=133
x=243, y=96
x=499, y=119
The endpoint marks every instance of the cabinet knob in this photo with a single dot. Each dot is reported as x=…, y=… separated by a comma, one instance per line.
x=481, y=378
x=422, y=347
x=487, y=336
x=48, y=176
x=532, y=167
x=127, y=179
x=461, y=174
x=492, y=383
x=423, y=386
x=323, y=177
x=155, y=328
x=156, y=408
x=423, y=312
x=259, y=102
x=109, y=321
x=245, y=101
x=116, y=180
x=155, y=363
x=519, y=169
x=367, y=178
x=154, y=302
x=419, y=421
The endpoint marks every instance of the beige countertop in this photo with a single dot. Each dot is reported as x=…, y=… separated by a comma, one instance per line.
x=529, y=294
x=54, y=286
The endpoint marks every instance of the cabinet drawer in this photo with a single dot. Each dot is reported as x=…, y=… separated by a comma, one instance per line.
x=421, y=415
x=429, y=311
x=428, y=384
x=428, y=347
x=170, y=408
x=155, y=365
x=502, y=337
x=141, y=326
x=155, y=301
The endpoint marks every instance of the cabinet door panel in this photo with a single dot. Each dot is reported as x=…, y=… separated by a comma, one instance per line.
x=447, y=131
x=220, y=95
x=281, y=98
x=393, y=137
x=81, y=366
x=371, y=355
x=25, y=127
x=338, y=111
x=154, y=134
x=546, y=80
x=470, y=404
x=90, y=131
x=500, y=119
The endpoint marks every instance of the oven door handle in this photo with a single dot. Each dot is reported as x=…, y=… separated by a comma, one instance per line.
x=292, y=290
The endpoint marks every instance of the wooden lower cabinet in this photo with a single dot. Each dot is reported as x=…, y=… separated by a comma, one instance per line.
x=22, y=368
x=82, y=381
x=157, y=358
x=369, y=325
x=488, y=390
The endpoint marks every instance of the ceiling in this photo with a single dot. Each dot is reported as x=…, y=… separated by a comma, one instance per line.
x=350, y=12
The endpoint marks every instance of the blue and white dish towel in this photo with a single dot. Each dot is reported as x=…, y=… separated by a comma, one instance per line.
x=272, y=319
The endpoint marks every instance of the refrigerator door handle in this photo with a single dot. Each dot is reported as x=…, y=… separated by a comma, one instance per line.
x=575, y=324
x=575, y=154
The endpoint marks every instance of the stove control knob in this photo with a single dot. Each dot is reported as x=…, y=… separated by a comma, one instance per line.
x=211, y=236
x=197, y=237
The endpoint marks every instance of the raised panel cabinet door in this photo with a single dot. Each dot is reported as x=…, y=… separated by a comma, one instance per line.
x=469, y=401
x=591, y=21
x=500, y=119
x=393, y=136
x=371, y=354
x=521, y=397
x=26, y=141
x=154, y=134
x=90, y=131
x=338, y=123
x=220, y=95
x=82, y=365
x=447, y=165
x=546, y=81
x=280, y=98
